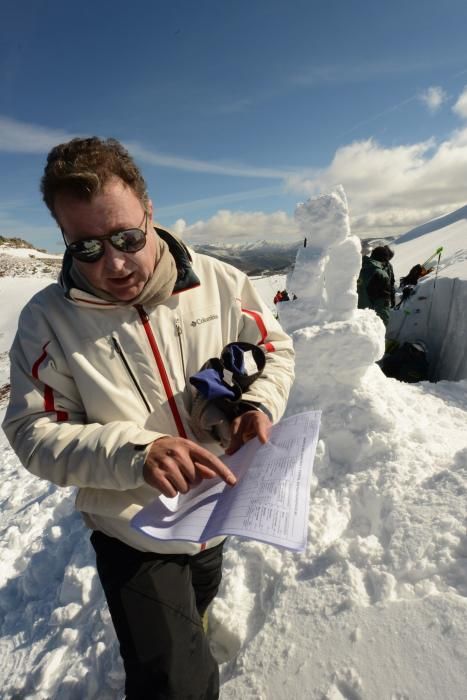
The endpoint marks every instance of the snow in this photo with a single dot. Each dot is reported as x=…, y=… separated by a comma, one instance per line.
x=14, y=293
x=27, y=253
x=376, y=606
x=412, y=250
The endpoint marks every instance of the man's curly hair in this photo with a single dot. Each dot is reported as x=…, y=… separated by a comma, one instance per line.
x=82, y=167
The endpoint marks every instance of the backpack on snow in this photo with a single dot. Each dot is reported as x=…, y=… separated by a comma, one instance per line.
x=407, y=362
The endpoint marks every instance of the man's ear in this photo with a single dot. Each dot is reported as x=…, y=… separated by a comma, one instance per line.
x=150, y=210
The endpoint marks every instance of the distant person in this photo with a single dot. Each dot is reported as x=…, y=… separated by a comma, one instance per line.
x=100, y=400
x=278, y=297
x=375, y=285
x=416, y=273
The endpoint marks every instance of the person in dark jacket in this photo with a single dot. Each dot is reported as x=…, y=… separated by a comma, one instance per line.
x=416, y=272
x=375, y=284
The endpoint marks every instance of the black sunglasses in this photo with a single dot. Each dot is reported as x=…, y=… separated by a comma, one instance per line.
x=92, y=249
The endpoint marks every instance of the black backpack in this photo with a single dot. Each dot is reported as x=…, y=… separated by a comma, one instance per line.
x=407, y=362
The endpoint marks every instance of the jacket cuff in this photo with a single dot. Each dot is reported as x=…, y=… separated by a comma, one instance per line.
x=245, y=406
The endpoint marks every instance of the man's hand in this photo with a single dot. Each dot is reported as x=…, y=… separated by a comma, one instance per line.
x=173, y=465
x=247, y=426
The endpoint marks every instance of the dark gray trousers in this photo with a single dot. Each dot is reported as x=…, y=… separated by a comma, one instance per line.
x=156, y=602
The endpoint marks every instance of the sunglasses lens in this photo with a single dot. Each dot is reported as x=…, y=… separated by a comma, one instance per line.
x=129, y=241
x=89, y=250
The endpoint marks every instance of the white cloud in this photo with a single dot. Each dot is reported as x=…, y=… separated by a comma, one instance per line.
x=433, y=97
x=202, y=166
x=221, y=199
x=460, y=108
x=179, y=227
x=343, y=73
x=394, y=189
x=389, y=189
x=240, y=227
x=20, y=137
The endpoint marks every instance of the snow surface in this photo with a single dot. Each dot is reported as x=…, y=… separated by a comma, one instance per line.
x=28, y=253
x=376, y=608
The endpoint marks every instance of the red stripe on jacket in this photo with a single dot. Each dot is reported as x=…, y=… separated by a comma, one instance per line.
x=269, y=347
x=162, y=371
x=49, y=401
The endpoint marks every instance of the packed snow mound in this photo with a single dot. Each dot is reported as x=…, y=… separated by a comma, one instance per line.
x=380, y=568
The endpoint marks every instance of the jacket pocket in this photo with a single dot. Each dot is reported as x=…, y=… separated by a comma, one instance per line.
x=119, y=350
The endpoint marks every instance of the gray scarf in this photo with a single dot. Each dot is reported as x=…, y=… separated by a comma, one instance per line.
x=157, y=289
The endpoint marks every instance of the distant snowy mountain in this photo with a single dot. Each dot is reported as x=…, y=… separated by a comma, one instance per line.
x=257, y=257
x=266, y=257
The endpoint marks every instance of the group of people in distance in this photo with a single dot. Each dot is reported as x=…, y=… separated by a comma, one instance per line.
x=376, y=284
x=283, y=296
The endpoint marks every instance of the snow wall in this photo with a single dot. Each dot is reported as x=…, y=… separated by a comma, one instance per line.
x=435, y=313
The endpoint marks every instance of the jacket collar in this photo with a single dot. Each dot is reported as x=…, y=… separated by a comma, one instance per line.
x=186, y=276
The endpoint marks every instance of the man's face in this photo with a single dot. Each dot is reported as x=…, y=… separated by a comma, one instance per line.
x=123, y=275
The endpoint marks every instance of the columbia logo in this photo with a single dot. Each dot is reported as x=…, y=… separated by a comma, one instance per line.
x=199, y=321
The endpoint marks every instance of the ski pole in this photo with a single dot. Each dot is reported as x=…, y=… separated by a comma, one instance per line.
x=434, y=287
x=438, y=251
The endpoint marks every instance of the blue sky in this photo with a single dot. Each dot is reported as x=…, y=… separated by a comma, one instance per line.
x=238, y=110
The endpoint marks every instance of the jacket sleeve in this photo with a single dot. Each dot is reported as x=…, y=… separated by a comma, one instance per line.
x=46, y=425
x=392, y=283
x=271, y=389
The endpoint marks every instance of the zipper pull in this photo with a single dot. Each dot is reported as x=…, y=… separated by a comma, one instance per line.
x=116, y=344
x=178, y=327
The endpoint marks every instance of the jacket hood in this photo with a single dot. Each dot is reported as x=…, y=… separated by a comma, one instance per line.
x=372, y=264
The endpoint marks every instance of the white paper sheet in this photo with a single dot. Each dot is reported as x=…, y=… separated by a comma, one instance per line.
x=270, y=501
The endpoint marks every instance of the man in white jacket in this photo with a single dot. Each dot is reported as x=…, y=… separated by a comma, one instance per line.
x=101, y=400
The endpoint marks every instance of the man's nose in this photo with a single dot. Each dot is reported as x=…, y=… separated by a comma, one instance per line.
x=113, y=259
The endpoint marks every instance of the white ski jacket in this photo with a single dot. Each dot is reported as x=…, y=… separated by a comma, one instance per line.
x=93, y=384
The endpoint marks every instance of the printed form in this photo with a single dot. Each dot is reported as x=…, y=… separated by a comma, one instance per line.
x=270, y=501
